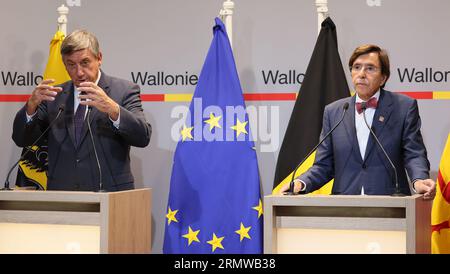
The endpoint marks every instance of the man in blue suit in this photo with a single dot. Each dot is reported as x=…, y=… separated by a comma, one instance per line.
x=351, y=156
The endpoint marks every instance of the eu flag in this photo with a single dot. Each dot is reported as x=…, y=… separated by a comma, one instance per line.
x=215, y=201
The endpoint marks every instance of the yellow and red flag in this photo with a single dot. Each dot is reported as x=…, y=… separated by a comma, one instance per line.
x=33, y=167
x=55, y=68
x=440, y=214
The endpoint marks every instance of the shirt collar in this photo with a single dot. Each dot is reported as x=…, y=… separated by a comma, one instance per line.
x=376, y=95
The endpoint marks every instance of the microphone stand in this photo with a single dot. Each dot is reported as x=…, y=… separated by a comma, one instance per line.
x=100, y=183
x=397, y=192
x=291, y=184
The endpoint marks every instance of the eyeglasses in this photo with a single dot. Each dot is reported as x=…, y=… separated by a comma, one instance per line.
x=367, y=68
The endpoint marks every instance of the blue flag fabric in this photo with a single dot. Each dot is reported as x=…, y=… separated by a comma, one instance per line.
x=215, y=200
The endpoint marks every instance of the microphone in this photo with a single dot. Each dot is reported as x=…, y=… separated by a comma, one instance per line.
x=100, y=182
x=397, y=193
x=291, y=184
x=6, y=184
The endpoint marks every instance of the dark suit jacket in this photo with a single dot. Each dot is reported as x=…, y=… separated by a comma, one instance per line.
x=75, y=168
x=397, y=125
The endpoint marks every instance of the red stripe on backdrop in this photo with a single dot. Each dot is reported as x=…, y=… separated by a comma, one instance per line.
x=24, y=97
x=423, y=95
x=14, y=97
x=270, y=96
x=152, y=97
x=247, y=97
x=418, y=94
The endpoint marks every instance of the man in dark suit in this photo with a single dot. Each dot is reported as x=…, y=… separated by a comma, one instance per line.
x=113, y=108
x=351, y=156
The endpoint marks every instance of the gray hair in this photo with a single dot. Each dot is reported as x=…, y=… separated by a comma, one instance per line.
x=79, y=40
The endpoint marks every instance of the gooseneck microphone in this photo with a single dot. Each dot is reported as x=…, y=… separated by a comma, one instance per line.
x=6, y=184
x=397, y=193
x=291, y=184
x=100, y=182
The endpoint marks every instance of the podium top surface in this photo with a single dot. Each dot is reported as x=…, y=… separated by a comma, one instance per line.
x=62, y=196
x=341, y=200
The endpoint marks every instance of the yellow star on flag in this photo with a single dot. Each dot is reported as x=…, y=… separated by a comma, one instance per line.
x=216, y=242
x=243, y=232
x=213, y=121
x=192, y=236
x=259, y=208
x=171, y=216
x=186, y=132
x=240, y=127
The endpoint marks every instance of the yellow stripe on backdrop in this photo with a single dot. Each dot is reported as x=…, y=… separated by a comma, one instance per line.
x=182, y=97
x=441, y=95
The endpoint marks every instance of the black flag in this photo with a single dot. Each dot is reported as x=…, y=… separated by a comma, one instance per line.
x=324, y=83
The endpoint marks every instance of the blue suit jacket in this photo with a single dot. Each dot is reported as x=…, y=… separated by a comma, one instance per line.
x=397, y=125
x=72, y=167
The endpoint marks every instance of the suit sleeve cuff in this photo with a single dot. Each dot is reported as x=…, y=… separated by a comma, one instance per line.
x=303, y=188
x=30, y=117
x=116, y=123
x=413, y=182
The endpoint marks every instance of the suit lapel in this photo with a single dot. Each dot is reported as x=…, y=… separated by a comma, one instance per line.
x=349, y=122
x=380, y=119
x=103, y=84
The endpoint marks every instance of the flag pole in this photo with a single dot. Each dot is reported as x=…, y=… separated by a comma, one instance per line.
x=226, y=15
x=322, y=12
x=62, y=19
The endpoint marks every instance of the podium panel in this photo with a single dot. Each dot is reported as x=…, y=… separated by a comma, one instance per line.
x=75, y=222
x=347, y=224
x=16, y=238
x=316, y=241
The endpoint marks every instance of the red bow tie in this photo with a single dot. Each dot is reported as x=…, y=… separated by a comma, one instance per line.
x=372, y=103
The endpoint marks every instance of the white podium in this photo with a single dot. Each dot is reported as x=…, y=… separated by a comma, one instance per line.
x=347, y=224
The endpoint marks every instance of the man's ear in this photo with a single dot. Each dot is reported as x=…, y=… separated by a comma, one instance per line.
x=384, y=80
x=100, y=58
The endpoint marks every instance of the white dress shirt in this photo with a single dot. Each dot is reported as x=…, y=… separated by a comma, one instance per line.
x=76, y=94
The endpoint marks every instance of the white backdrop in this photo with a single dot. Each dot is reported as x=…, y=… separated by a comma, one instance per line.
x=172, y=37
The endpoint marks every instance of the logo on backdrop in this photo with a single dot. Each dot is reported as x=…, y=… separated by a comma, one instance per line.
x=162, y=78
x=73, y=3
x=423, y=75
x=289, y=77
x=15, y=78
x=373, y=3
x=269, y=77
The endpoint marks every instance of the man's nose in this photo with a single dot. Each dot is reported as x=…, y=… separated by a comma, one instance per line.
x=362, y=73
x=80, y=71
